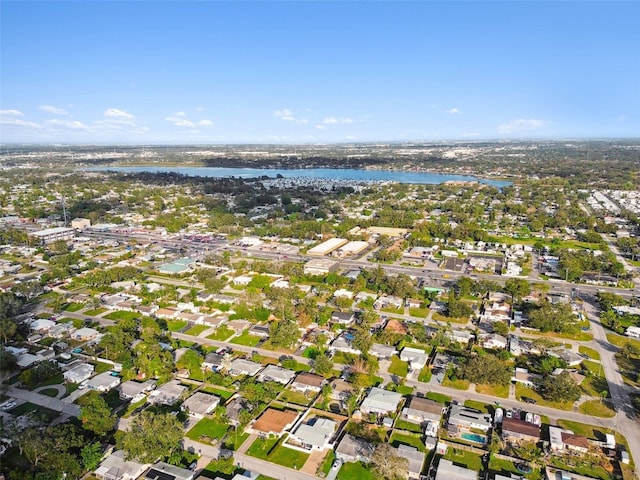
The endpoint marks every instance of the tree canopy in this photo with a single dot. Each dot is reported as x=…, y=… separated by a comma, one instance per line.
x=152, y=436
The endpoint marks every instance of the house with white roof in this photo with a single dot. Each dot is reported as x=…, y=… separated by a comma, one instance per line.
x=117, y=467
x=135, y=391
x=103, y=382
x=417, y=358
x=79, y=373
x=167, y=394
x=381, y=402
x=240, y=366
x=316, y=434
x=275, y=373
x=200, y=404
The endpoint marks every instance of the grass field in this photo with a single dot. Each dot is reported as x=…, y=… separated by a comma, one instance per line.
x=590, y=352
x=425, y=374
x=522, y=391
x=457, y=384
x=354, y=471
x=620, y=340
x=221, y=334
x=224, y=394
x=122, y=315
x=398, y=367
x=196, y=330
x=501, y=391
x=438, y=397
x=596, y=409
x=96, y=312
x=246, y=339
x=207, y=430
x=408, y=426
x=298, y=398
x=176, y=325
x=73, y=307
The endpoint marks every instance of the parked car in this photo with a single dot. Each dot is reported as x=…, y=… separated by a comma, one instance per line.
x=509, y=414
x=529, y=400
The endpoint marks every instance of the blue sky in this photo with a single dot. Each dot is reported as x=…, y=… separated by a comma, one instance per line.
x=287, y=72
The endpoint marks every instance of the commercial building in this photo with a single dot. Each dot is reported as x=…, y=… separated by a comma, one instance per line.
x=325, y=248
x=320, y=266
x=50, y=235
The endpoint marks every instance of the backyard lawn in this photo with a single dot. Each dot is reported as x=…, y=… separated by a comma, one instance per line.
x=495, y=390
x=288, y=457
x=465, y=458
x=415, y=440
x=410, y=427
x=224, y=394
x=298, y=398
x=590, y=352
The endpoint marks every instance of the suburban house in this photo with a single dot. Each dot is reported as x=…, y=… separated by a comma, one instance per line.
x=522, y=375
x=342, y=343
x=354, y=449
x=343, y=318
x=238, y=326
x=240, y=366
x=103, y=382
x=463, y=419
x=164, y=471
x=274, y=373
x=417, y=358
x=167, y=394
x=308, y=382
x=516, y=431
x=117, y=467
x=341, y=390
x=79, y=373
x=422, y=410
x=135, y=391
x=259, y=331
x=213, y=361
x=84, y=334
x=381, y=402
x=494, y=341
x=416, y=460
x=572, y=358
x=448, y=471
x=382, y=352
x=561, y=440
x=199, y=404
x=460, y=336
x=316, y=434
x=234, y=407
x=273, y=422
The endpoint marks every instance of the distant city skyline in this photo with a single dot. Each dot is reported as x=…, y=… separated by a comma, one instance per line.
x=317, y=72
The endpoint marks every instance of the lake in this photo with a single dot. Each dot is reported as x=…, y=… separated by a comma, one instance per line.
x=319, y=173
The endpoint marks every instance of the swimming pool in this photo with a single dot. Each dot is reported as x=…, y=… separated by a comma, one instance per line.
x=474, y=437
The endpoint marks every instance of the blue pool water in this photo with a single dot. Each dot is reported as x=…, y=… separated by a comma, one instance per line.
x=473, y=437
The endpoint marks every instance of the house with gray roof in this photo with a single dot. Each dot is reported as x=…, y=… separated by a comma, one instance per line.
x=167, y=394
x=316, y=434
x=103, y=382
x=79, y=373
x=275, y=373
x=416, y=460
x=117, y=467
x=382, y=352
x=422, y=410
x=463, y=419
x=354, y=449
x=448, y=471
x=135, y=391
x=240, y=366
x=199, y=404
x=381, y=402
x=164, y=471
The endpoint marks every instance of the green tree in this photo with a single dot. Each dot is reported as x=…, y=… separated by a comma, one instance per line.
x=517, y=288
x=386, y=464
x=283, y=333
x=558, y=388
x=630, y=350
x=501, y=328
x=485, y=369
x=91, y=454
x=97, y=417
x=362, y=340
x=322, y=364
x=152, y=436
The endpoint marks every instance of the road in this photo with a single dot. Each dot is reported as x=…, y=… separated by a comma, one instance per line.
x=70, y=409
x=625, y=420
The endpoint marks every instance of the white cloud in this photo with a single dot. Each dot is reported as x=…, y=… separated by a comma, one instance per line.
x=321, y=127
x=53, y=110
x=200, y=109
x=71, y=124
x=287, y=115
x=180, y=114
x=454, y=111
x=11, y=113
x=17, y=122
x=115, y=113
x=336, y=120
x=521, y=125
x=284, y=114
x=205, y=123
